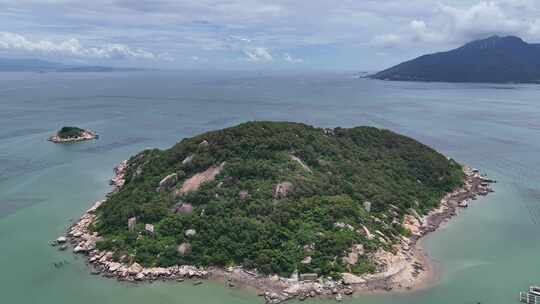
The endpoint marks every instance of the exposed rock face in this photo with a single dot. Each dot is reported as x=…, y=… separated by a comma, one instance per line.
x=301, y=163
x=86, y=239
x=119, y=176
x=412, y=224
x=184, y=248
x=357, y=250
x=132, y=221
x=188, y=159
x=367, y=233
x=351, y=279
x=193, y=183
x=167, y=182
x=183, y=208
x=283, y=189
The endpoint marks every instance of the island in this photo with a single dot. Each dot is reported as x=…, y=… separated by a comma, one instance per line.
x=73, y=134
x=491, y=60
x=292, y=210
x=42, y=66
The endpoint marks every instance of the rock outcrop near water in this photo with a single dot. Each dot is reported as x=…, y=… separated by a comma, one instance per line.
x=343, y=214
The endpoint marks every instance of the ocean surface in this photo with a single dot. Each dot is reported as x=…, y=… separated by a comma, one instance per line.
x=487, y=255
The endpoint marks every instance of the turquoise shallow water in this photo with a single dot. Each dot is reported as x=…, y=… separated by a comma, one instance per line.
x=486, y=255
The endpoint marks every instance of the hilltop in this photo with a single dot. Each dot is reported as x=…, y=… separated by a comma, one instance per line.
x=493, y=60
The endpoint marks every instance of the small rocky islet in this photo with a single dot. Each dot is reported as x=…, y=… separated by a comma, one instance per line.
x=292, y=210
x=73, y=134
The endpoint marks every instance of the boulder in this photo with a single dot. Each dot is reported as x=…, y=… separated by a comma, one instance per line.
x=183, y=208
x=188, y=159
x=283, y=189
x=114, y=266
x=61, y=240
x=341, y=225
x=367, y=206
x=365, y=231
x=184, y=248
x=135, y=268
x=80, y=249
x=306, y=260
x=132, y=221
x=349, y=278
x=293, y=289
x=190, y=232
x=149, y=228
x=167, y=182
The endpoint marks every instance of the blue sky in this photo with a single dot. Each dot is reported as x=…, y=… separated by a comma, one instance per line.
x=350, y=35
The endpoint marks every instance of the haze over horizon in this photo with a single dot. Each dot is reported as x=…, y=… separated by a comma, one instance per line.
x=254, y=34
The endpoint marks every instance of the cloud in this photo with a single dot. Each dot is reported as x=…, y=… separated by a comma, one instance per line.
x=72, y=47
x=258, y=54
x=386, y=40
x=331, y=31
x=287, y=57
x=483, y=18
x=452, y=24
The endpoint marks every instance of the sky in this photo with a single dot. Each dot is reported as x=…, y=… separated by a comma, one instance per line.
x=352, y=35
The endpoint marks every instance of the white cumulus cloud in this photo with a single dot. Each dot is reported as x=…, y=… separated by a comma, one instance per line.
x=258, y=54
x=72, y=47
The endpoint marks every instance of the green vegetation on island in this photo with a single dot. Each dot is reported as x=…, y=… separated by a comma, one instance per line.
x=276, y=197
x=70, y=132
x=73, y=134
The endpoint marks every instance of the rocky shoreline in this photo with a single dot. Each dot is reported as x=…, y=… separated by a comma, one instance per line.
x=405, y=268
x=86, y=135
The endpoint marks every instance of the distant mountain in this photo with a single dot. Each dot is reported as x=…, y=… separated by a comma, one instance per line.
x=495, y=59
x=36, y=65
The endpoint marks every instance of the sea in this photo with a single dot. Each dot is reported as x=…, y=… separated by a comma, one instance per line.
x=487, y=255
